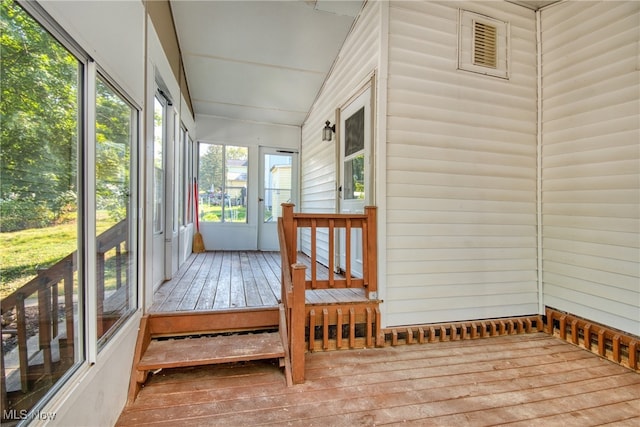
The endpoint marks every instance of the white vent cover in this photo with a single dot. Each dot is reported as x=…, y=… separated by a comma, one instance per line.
x=483, y=45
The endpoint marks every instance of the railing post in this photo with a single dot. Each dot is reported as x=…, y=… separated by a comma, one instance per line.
x=372, y=250
x=290, y=231
x=297, y=325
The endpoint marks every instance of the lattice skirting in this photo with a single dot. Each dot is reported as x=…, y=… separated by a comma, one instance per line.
x=452, y=331
x=358, y=326
x=614, y=345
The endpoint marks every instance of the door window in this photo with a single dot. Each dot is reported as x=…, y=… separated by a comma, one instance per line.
x=222, y=183
x=277, y=184
x=354, y=168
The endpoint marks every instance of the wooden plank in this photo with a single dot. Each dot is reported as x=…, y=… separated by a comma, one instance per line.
x=525, y=379
x=173, y=324
x=251, y=292
x=194, y=289
x=268, y=285
x=223, y=295
x=237, y=294
x=174, y=353
x=210, y=286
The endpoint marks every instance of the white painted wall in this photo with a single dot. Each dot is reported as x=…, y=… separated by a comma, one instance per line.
x=234, y=236
x=591, y=161
x=461, y=170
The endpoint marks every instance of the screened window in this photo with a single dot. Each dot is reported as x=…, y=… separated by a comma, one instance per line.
x=159, y=134
x=40, y=211
x=53, y=320
x=222, y=182
x=115, y=218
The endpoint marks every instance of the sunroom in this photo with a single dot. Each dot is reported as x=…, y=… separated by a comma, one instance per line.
x=481, y=157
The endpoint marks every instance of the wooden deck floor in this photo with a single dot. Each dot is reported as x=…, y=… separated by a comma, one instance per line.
x=519, y=380
x=223, y=280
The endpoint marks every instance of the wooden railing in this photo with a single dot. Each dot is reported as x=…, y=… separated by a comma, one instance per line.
x=295, y=280
x=46, y=287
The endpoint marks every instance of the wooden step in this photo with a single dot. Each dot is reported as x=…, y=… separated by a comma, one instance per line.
x=208, y=350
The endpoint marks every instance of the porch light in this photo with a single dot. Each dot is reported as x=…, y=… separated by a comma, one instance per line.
x=328, y=131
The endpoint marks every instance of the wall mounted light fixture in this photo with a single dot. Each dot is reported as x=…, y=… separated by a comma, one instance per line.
x=328, y=131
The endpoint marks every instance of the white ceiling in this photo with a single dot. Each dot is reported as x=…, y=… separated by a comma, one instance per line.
x=262, y=61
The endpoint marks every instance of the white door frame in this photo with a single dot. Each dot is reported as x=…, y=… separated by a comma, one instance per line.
x=268, y=229
x=348, y=201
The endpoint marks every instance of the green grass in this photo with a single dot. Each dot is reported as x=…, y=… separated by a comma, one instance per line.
x=22, y=253
x=233, y=214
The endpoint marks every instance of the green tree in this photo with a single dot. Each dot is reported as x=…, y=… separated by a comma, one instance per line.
x=210, y=173
x=38, y=117
x=113, y=139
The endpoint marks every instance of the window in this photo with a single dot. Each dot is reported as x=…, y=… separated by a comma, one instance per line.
x=159, y=134
x=354, y=156
x=222, y=181
x=60, y=303
x=115, y=215
x=40, y=210
x=278, y=184
x=181, y=176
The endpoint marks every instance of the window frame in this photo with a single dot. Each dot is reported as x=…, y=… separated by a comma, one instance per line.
x=224, y=146
x=88, y=345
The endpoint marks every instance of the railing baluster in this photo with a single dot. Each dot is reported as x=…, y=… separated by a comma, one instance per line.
x=68, y=306
x=100, y=267
x=44, y=330
x=23, y=354
x=314, y=254
x=54, y=309
x=331, y=254
x=365, y=253
x=348, y=252
x=118, y=266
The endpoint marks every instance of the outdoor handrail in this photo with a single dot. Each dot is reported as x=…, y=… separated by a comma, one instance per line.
x=294, y=282
x=366, y=221
x=46, y=285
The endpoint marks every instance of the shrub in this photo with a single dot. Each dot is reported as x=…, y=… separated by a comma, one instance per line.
x=19, y=213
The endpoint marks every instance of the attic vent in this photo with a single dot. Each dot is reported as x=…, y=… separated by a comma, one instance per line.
x=485, y=45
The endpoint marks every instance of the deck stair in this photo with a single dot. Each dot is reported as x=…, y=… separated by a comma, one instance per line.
x=176, y=340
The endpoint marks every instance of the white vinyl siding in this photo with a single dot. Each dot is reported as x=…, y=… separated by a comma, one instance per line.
x=356, y=61
x=461, y=170
x=591, y=161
